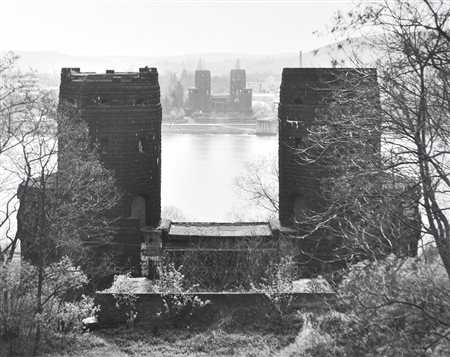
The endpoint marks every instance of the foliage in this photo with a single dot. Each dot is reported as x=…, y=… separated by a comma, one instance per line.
x=224, y=270
x=178, y=303
x=278, y=286
x=59, y=313
x=390, y=307
x=371, y=209
x=64, y=190
x=173, y=213
x=124, y=292
x=65, y=196
x=170, y=342
x=262, y=110
x=25, y=116
x=177, y=95
x=412, y=45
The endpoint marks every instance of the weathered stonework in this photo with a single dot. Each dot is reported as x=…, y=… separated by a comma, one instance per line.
x=303, y=92
x=123, y=114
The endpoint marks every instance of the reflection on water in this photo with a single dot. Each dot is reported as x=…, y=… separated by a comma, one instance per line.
x=198, y=172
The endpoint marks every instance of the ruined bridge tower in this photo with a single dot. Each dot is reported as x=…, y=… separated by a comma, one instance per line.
x=123, y=114
x=240, y=96
x=303, y=91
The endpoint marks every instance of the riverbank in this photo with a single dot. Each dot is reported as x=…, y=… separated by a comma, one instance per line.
x=208, y=128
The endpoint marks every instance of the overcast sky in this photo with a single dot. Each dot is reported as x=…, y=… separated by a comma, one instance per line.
x=160, y=28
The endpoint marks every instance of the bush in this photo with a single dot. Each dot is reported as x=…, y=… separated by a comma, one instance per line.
x=177, y=302
x=223, y=270
x=25, y=321
x=391, y=307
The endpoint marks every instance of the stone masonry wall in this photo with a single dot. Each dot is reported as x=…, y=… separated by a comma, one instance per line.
x=302, y=93
x=123, y=114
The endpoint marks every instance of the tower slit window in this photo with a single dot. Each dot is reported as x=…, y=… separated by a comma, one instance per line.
x=141, y=145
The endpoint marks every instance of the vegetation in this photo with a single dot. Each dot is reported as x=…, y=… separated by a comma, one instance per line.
x=412, y=44
x=62, y=207
x=388, y=305
x=386, y=308
x=388, y=163
x=209, y=341
x=387, y=187
x=39, y=306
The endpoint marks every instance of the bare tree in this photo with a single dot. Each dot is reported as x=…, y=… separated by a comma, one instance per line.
x=24, y=110
x=259, y=185
x=65, y=193
x=369, y=208
x=412, y=42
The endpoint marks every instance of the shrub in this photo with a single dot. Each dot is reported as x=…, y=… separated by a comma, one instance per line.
x=391, y=307
x=124, y=290
x=223, y=270
x=178, y=304
x=58, y=311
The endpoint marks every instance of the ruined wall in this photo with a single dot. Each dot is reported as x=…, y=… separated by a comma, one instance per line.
x=251, y=306
x=303, y=91
x=123, y=114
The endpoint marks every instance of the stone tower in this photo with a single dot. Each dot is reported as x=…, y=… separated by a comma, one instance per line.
x=238, y=82
x=240, y=96
x=302, y=93
x=123, y=114
x=203, y=85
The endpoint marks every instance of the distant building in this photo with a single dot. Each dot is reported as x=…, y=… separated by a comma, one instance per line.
x=200, y=96
x=239, y=100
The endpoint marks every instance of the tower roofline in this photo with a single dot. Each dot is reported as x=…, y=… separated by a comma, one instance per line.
x=109, y=75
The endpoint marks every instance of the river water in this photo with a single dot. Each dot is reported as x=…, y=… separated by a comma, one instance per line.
x=199, y=173
x=198, y=176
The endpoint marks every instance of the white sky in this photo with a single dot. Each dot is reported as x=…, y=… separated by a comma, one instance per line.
x=158, y=28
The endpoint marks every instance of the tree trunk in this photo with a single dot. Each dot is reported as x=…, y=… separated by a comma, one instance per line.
x=37, y=336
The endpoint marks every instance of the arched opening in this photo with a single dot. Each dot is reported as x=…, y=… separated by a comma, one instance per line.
x=138, y=209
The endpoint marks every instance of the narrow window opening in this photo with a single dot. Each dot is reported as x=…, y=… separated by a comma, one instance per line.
x=141, y=145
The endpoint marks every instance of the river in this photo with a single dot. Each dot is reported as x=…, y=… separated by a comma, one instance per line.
x=199, y=173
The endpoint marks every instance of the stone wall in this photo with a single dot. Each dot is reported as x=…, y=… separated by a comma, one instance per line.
x=253, y=305
x=123, y=114
x=303, y=91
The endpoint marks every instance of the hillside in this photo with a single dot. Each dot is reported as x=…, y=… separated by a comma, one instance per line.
x=219, y=63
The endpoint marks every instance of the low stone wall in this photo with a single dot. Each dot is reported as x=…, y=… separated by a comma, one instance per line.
x=150, y=307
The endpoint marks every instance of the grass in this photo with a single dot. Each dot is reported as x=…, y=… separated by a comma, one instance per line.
x=227, y=339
